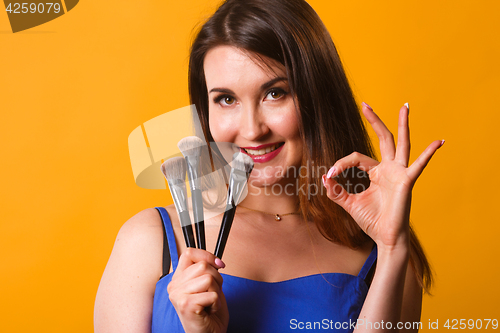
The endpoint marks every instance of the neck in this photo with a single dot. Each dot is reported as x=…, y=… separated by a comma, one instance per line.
x=274, y=200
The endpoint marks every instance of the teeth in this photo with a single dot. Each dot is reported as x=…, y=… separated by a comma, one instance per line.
x=261, y=151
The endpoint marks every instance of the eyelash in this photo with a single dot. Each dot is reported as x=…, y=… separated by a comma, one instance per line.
x=283, y=93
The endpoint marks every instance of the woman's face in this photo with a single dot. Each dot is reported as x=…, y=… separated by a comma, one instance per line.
x=251, y=105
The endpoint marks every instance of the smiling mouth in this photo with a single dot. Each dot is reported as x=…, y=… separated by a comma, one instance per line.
x=263, y=151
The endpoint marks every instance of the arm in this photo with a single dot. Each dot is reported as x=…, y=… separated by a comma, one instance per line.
x=124, y=300
x=394, y=295
x=383, y=211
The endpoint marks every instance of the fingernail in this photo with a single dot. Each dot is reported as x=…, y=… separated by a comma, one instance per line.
x=323, y=180
x=442, y=143
x=330, y=172
x=369, y=107
x=407, y=106
x=220, y=263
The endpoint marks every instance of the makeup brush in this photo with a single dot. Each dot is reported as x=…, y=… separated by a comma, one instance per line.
x=190, y=147
x=242, y=166
x=174, y=170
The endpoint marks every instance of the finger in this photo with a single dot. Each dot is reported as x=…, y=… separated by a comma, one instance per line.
x=355, y=159
x=420, y=163
x=403, y=148
x=201, y=284
x=196, y=303
x=192, y=255
x=385, y=137
x=336, y=192
x=199, y=269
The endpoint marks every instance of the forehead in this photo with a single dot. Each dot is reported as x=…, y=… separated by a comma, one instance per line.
x=230, y=65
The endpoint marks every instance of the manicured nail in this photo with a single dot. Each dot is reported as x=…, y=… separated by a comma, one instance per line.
x=323, y=180
x=220, y=263
x=330, y=172
x=408, y=107
x=442, y=143
x=369, y=107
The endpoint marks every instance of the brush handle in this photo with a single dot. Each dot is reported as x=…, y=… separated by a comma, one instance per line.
x=225, y=227
x=187, y=229
x=199, y=228
x=199, y=224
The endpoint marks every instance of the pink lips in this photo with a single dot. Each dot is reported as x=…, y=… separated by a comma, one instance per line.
x=266, y=157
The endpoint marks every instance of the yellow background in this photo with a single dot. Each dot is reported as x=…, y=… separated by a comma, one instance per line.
x=73, y=89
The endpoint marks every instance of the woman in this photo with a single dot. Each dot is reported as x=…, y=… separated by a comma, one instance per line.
x=265, y=75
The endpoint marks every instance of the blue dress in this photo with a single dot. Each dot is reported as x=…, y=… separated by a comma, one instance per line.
x=328, y=301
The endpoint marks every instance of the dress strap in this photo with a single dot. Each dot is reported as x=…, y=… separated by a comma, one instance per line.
x=172, y=246
x=368, y=263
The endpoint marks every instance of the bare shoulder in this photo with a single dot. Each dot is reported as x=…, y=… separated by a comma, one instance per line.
x=124, y=299
x=143, y=227
x=140, y=240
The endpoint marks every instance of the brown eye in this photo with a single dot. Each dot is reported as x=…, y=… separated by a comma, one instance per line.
x=228, y=100
x=225, y=100
x=275, y=94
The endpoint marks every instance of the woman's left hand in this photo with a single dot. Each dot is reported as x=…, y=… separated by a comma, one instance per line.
x=382, y=210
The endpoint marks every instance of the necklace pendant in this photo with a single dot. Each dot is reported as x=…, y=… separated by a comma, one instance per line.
x=277, y=217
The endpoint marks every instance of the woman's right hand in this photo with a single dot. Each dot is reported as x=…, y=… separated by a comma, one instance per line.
x=196, y=292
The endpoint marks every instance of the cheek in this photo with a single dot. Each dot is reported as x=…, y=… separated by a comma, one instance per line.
x=287, y=125
x=221, y=128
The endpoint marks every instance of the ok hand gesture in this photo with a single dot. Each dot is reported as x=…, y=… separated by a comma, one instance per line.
x=382, y=210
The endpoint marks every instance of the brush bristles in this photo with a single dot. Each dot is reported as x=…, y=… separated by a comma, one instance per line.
x=242, y=162
x=190, y=145
x=174, y=168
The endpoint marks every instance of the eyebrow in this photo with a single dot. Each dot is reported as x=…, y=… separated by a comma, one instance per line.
x=262, y=87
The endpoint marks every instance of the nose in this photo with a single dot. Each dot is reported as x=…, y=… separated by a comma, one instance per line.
x=253, y=124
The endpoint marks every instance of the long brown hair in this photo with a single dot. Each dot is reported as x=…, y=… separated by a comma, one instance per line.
x=291, y=33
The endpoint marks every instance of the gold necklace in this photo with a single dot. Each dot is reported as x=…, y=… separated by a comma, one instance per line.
x=277, y=217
